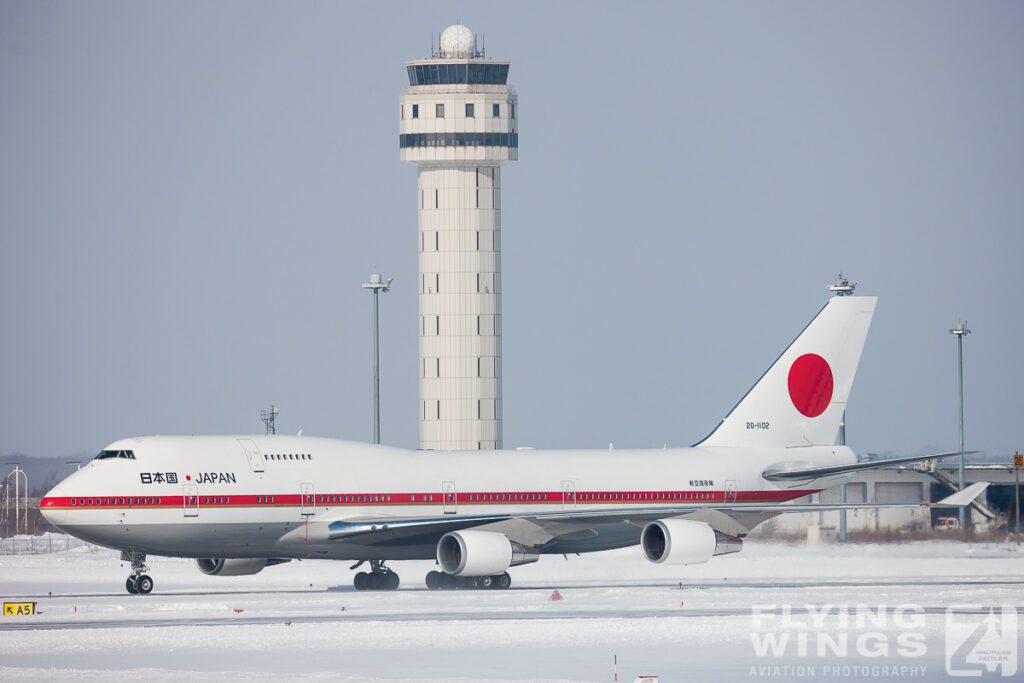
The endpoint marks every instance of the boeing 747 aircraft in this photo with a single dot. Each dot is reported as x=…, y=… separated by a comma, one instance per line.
x=239, y=504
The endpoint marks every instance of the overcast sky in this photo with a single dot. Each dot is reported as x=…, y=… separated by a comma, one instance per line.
x=191, y=194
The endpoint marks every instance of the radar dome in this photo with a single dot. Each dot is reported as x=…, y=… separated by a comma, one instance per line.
x=457, y=41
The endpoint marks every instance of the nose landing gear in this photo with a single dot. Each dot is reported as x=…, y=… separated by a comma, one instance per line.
x=379, y=578
x=139, y=583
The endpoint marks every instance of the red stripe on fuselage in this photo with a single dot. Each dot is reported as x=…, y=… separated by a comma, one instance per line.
x=579, y=498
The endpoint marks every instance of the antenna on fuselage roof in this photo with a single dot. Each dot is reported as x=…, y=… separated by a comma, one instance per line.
x=269, y=417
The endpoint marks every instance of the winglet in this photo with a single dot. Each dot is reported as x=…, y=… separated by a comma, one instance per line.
x=963, y=498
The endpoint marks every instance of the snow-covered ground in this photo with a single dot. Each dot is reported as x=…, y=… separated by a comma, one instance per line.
x=758, y=614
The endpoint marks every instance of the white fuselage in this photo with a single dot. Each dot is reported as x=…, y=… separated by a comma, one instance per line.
x=276, y=496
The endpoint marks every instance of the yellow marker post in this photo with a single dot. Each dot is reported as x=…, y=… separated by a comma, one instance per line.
x=19, y=608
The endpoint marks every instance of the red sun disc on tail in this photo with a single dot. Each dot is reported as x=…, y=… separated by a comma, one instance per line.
x=810, y=384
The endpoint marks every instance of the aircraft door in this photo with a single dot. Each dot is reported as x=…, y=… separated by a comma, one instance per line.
x=252, y=454
x=191, y=499
x=568, y=495
x=307, y=495
x=449, y=497
x=730, y=490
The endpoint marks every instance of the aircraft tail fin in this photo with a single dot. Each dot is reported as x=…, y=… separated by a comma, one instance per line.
x=800, y=400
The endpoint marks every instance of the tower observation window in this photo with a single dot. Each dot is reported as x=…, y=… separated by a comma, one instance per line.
x=440, y=111
x=445, y=72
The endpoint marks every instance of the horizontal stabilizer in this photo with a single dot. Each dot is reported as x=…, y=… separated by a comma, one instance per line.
x=963, y=498
x=804, y=473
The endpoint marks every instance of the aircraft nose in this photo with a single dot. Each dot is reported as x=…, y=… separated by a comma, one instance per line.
x=52, y=505
x=46, y=505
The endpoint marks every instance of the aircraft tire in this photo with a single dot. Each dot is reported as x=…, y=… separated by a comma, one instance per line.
x=503, y=581
x=434, y=580
x=144, y=585
x=131, y=586
x=361, y=581
x=391, y=581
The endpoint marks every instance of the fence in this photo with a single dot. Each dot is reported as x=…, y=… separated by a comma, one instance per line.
x=38, y=545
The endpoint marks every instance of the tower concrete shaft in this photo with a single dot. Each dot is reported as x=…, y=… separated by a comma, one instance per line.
x=458, y=125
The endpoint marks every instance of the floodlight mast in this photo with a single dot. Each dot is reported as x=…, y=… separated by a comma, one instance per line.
x=960, y=331
x=1018, y=462
x=19, y=475
x=842, y=287
x=842, y=487
x=376, y=285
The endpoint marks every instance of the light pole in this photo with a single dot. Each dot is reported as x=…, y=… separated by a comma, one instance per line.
x=19, y=475
x=376, y=285
x=960, y=331
x=842, y=487
x=1018, y=462
x=842, y=287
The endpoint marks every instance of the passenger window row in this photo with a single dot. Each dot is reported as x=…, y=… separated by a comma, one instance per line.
x=115, y=501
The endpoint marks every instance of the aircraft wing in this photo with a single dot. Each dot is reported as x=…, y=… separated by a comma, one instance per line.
x=802, y=473
x=385, y=531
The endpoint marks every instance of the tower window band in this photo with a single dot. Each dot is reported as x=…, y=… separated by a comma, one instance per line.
x=467, y=72
x=406, y=140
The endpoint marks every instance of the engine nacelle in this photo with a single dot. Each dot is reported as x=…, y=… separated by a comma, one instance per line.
x=684, y=541
x=244, y=566
x=480, y=553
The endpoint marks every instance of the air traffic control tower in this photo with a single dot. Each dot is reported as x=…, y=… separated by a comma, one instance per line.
x=458, y=125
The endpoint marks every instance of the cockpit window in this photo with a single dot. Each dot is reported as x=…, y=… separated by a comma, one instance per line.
x=103, y=455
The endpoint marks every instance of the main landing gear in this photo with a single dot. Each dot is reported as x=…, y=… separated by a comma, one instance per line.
x=379, y=578
x=139, y=583
x=441, y=581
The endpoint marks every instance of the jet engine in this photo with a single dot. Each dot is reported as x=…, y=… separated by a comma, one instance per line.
x=480, y=553
x=236, y=567
x=683, y=541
